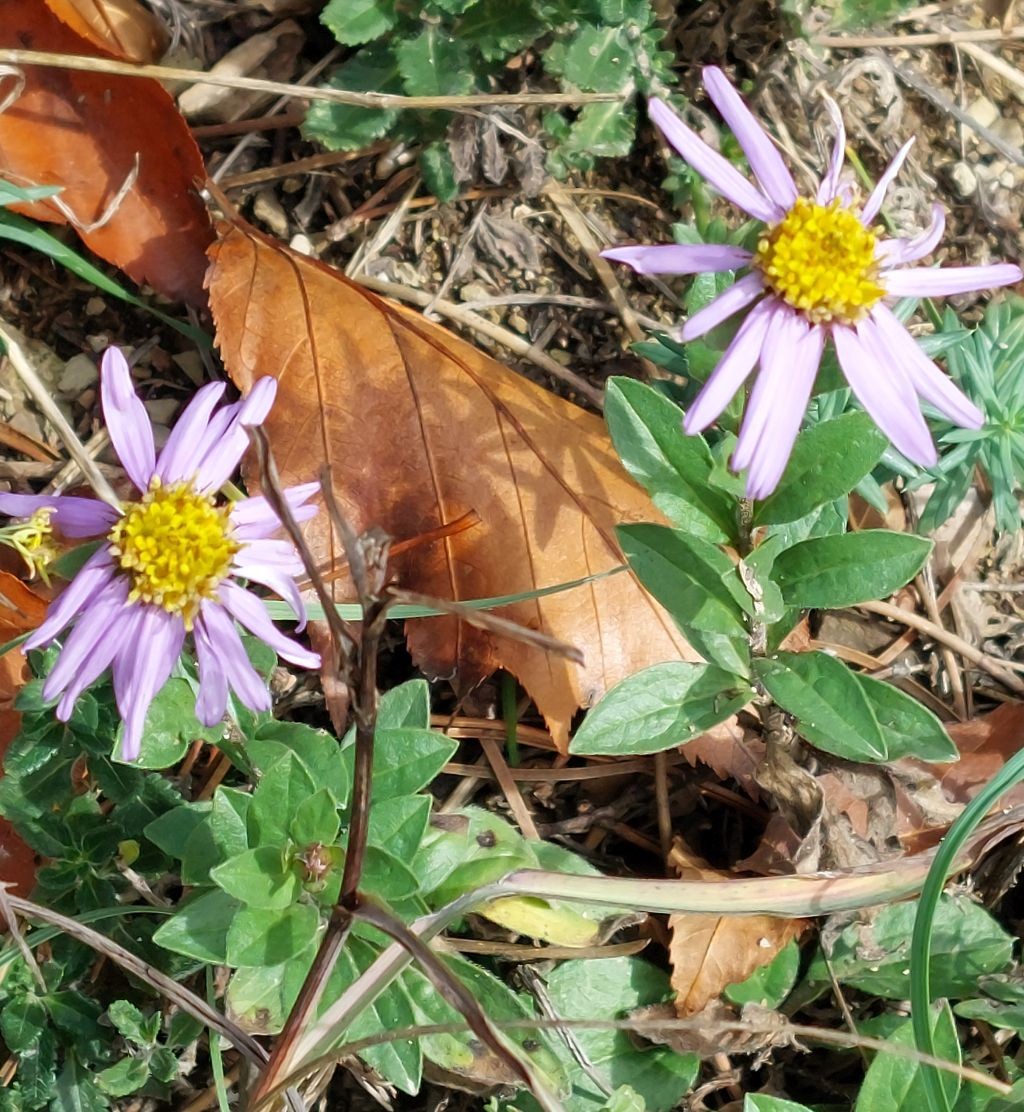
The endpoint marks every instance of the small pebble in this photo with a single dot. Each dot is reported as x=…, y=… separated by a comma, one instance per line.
x=162, y=410
x=81, y=371
x=964, y=179
x=94, y=306
x=303, y=244
x=983, y=111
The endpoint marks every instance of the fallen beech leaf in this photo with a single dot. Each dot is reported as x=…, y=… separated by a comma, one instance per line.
x=732, y=751
x=87, y=132
x=710, y=952
x=123, y=27
x=985, y=745
x=418, y=428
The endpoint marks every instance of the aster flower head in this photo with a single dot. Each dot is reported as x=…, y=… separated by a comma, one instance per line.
x=170, y=561
x=820, y=270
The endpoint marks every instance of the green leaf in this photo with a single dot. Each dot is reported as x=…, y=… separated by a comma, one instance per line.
x=76, y=1089
x=171, y=830
x=698, y=585
x=127, y=1018
x=353, y=22
x=387, y=877
x=598, y=59
x=22, y=1023
x=397, y=825
x=220, y=836
x=438, y=171
x=171, y=726
x=37, y=1073
x=894, y=1083
x=260, y=937
x=498, y=28
x=260, y=877
x=828, y=461
x=345, y=127
x=259, y=997
x=837, y=571
x=674, y=469
x=124, y=1077
x=316, y=820
x=199, y=928
x=830, y=706
x=662, y=706
x=624, y=1099
x=772, y=983
x=406, y=707
x=434, y=63
x=163, y=1065
x=406, y=760
x=910, y=729
x=875, y=956
x=613, y=988
x=604, y=130
x=318, y=750
x=278, y=795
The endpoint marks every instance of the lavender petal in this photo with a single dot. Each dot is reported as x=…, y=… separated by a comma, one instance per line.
x=178, y=458
x=770, y=170
x=926, y=378
x=245, y=681
x=253, y=518
x=282, y=584
x=733, y=369
x=883, y=390
x=738, y=296
x=680, y=258
x=74, y=517
x=89, y=584
x=248, y=611
x=158, y=644
x=897, y=252
x=925, y=281
x=212, y=701
x=127, y=420
x=712, y=166
x=92, y=627
x=874, y=202
x=829, y=187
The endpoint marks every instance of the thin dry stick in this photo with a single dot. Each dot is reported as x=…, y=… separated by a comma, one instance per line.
x=1008, y=72
x=664, y=811
x=489, y=329
x=914, y=42
x=925, y=582
x=187, y=1000
x=41, y=396
x=957, y=644
x=509, y=788
x=281, y=88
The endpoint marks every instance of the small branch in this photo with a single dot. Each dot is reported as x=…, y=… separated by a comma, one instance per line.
x=912, y=42
x=280, y=88
x=41, y=396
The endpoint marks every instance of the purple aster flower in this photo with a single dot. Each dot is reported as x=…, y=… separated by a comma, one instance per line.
x=171, y=561
x=820, y=270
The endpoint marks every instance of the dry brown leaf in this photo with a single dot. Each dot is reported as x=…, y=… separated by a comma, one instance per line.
x=985, y=745
x=92, y=134
x=419, y=428
x=21, y=610
x=710, y=952
x=732, y=751
x=123, y=27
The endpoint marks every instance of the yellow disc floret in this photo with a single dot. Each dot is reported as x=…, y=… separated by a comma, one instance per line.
x=33, y=540
x=821, y=260
x=176, y=547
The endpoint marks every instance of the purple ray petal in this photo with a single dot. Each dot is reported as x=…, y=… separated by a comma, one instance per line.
x=281, y=583
x=795, y=376
x=926, y=281
x=253, y=518
x=225, y=646
x=733, y=368
x=142, y=668
x=248, y=611
x=874, y=202
x=99, y=660
x=926, y=378
x=883, y=390
x=771, y=172
x=74, y=517
x=278, y=554
x=212, y=701
x=91, y=580
x=127, y=420
x=737, y=296
x=223, y=457
x=712, y=166
x=829, y=186
x=179, y=457
x=680, y=258
x=92, y=628
x=896, y=252
x=771, y=392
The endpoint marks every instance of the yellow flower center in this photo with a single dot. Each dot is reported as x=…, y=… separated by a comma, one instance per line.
x=176, y=547
x=33, y=540
x=821, y=260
